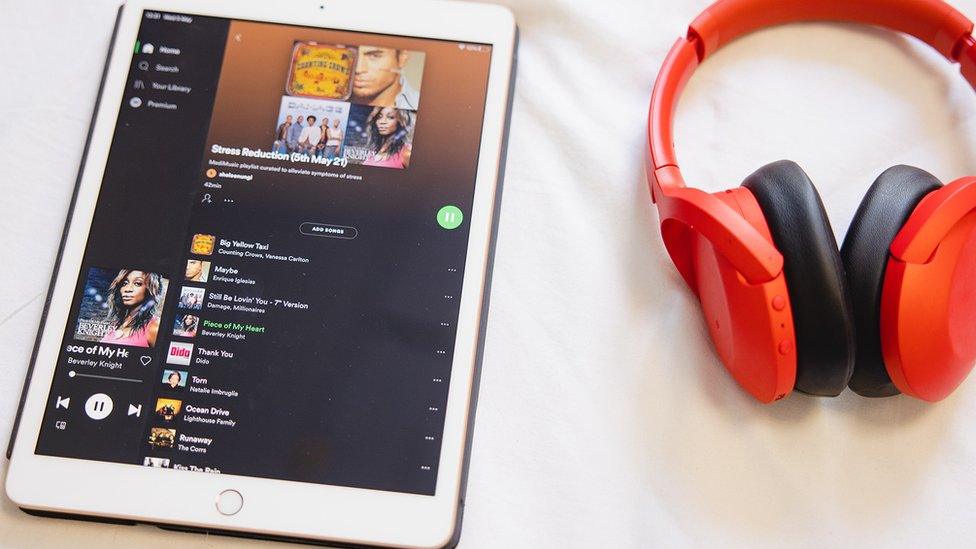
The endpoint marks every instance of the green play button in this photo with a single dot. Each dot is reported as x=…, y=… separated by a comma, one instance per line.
x=449, y=217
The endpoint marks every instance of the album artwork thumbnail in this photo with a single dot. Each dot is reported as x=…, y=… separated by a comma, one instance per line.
x=387, y=77
x=315, y=127
x=186, y=325
x=191, y=298
x=203, y=244
x=149, y=461
x=179, y=353
x=121, y=307
x=197, y=270
x=161, y=437
x=322, y=71
x=380, y=136
x=167, y=409
x=174, y=379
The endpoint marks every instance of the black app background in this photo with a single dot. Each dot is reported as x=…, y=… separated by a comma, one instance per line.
x=347, y=384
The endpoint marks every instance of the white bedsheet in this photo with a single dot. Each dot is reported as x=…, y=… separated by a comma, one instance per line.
x=605, y=418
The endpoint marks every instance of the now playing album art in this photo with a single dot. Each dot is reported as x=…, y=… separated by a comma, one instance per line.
x=121, y=307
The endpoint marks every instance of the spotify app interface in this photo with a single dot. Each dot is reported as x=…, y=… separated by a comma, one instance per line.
x=271, y=282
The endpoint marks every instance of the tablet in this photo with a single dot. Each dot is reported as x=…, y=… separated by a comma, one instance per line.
x=266, y=313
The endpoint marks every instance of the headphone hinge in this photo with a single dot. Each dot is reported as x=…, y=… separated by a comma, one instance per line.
x=666, y=177
x=965, y=54
x=696, y=42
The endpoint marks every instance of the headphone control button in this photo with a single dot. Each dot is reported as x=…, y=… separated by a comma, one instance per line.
x=785, y=347
x=779, y=303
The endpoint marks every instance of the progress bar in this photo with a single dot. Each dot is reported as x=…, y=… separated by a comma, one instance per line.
x=73, y=373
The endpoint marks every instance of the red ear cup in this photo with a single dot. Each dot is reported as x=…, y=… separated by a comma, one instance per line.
x=881, y=215
x=928, y=325
x=750, y=324
x=814, y=275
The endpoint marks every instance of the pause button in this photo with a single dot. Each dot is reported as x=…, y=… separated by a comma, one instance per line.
x=450, y=217
x=98, y=406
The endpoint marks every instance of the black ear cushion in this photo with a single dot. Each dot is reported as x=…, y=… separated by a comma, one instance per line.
x=822, y=316
x=882, y=213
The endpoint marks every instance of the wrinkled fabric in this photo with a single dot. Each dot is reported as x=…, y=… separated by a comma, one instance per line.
x=605, y=418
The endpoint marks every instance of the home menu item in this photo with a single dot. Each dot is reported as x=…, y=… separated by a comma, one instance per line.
x=271, y=282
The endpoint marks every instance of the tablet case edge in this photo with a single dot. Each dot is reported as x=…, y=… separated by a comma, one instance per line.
x=475, y=387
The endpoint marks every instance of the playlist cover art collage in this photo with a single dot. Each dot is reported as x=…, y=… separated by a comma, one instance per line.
x=356, y=103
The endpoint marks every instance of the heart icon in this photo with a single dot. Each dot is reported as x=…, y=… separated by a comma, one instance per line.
x=145, y=360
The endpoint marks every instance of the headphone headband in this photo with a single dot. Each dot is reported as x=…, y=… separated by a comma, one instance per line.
x=932, y=21
x=752, y=254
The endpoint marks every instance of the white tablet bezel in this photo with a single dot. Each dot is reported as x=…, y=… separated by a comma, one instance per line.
x=274, y=507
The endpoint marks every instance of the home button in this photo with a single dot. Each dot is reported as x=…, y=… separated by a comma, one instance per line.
x=229, y=502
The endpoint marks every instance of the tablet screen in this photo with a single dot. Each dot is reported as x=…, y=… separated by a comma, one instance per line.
x=271, y=281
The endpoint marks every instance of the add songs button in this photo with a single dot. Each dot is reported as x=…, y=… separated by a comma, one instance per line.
x=330, y=231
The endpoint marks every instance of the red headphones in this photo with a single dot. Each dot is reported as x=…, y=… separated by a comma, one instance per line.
x=895, y=309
